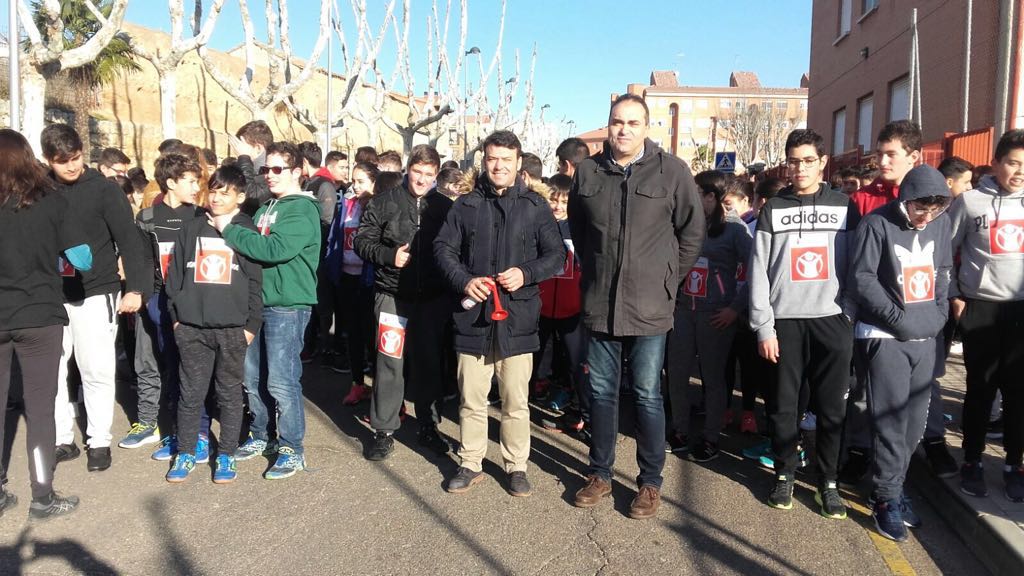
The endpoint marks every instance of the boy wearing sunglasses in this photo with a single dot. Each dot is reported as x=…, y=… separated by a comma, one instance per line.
x=287, y=243
x=898, y=280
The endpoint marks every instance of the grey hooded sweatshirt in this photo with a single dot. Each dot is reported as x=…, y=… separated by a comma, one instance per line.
x=899, y=275
x=798, y=263
x=988, y=230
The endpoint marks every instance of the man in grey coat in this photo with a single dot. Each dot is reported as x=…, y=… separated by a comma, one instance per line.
x=637, y=224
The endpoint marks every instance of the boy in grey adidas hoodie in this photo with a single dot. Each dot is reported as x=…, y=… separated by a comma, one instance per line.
x=988, y=229
x=898, y=280
x=797, y=273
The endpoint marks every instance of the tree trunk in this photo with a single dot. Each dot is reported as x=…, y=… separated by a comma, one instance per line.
x=33, y=97
x=168, y=101
x=83, y=103
x=407, y=142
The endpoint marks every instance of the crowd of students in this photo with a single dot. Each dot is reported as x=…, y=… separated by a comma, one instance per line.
x=835, y=303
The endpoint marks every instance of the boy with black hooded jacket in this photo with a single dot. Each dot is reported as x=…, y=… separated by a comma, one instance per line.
x=899, y=280
x=216, y=309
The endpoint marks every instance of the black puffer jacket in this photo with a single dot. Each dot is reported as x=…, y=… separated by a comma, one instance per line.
x=636, y=235
x=486, y=234
x=394, y=218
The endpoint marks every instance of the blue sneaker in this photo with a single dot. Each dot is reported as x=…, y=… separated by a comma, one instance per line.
x=288, y=463
x=910, y=518
x=140, y=435
x=889, y=520
x=202, y=450
x=225, y=473
x=167, y=449
x=184, y=464
x=252, y=448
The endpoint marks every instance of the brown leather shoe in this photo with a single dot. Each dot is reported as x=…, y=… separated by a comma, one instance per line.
x=591, y=494
x=645, y=505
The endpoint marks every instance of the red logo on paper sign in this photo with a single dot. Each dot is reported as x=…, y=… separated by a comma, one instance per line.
x=65, y=268
x=696, y=283
x=391, y=341
x=809, y=264
x=350, y=234
x=918, y=284
x=213, y=266
x=1007, y=237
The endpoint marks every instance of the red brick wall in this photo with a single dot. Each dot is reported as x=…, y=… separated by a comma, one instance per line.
x=839, y=75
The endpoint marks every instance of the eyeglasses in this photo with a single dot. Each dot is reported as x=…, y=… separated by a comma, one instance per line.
x=934, y=207
x=795, y=163
x=264, y=170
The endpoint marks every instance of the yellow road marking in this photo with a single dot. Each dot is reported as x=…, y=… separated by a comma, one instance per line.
x=889, y=550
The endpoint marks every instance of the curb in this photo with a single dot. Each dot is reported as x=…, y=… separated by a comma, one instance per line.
x=998, y=543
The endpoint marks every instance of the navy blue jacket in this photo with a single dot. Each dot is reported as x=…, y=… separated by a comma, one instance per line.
x=484, y=235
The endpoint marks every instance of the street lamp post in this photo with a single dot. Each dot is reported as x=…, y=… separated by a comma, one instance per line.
x=465, y=107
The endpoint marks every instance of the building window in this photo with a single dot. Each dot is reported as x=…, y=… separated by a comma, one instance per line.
x=838, y=131
x=781, y=105
x=703, y=123
x=845, y=17
x=899, y=99
x=867, y=6
x=725, y=104
x=685, y=105
x=865, y=110
x=702, y=104
x=803, y=104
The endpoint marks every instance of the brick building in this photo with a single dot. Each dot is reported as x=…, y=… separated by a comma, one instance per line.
x=861, y=68
x=690, y=121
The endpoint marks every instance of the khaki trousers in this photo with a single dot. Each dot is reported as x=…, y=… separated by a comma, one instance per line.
x=475, y=373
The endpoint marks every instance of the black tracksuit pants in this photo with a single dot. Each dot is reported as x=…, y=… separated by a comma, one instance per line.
x=38, y=351
x=217, y=353
x=994, y=359
x=897, y=377
x=821, y=350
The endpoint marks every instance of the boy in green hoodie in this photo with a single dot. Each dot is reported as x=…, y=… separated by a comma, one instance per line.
x=287, y=244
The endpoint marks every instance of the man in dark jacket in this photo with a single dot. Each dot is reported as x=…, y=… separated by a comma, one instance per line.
x=396, y=234
x=637, y=223
x=501, y=237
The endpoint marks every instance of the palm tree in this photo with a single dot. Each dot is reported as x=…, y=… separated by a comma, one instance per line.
x=116, y=58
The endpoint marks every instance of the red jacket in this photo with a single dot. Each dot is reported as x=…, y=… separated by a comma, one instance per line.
x=560, y=295
x=874, y=195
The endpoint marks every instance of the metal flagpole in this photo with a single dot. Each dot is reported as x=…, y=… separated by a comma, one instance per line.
x=330, y=80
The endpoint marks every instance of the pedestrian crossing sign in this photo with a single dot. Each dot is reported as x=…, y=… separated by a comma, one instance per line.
x=725, y=162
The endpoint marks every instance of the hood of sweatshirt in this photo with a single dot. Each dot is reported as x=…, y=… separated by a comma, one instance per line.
x=923, y=182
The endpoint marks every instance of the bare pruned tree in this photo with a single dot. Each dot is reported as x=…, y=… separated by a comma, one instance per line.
x=758, y=130
x=282, y=82
x=166, y=62
x=46, y=55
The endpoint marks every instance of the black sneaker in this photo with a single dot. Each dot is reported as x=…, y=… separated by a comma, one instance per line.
x=831, y=502
x=939, y=459
x=782, y=493
x=98, y=459
x=1014, y=480
x=53, y=507
x=67, y=452
x=677, y=443
x=705, y=452
x=429, y=437
x=518, y=485
x=463, y=480
x=382, y=447
x=7, y=500
x=856, y=466
x=888, y=520
x=972, y=480
x=994, y=429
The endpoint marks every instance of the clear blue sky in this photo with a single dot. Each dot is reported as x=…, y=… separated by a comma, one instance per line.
x=586, y=50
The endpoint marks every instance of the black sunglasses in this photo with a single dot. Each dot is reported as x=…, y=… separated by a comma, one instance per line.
x=264, y=170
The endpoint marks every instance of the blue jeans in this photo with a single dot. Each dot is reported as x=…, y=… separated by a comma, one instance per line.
x=280, y=340
x=646, y=355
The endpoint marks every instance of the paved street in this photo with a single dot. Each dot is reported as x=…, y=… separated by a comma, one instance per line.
x=349, y=516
